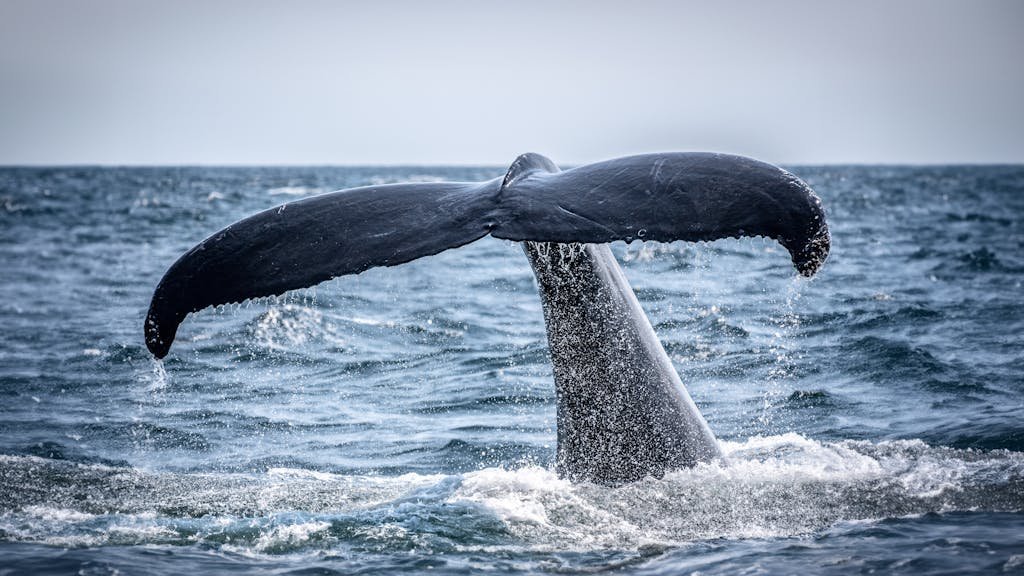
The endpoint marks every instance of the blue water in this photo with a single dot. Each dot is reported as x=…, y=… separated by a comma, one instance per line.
x=403, y=419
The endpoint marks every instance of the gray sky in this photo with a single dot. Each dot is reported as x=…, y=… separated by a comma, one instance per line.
x=822, y=81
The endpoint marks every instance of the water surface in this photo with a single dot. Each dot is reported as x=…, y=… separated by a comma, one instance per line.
x=403, y=419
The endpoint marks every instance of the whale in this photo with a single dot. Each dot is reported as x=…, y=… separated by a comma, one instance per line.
x=623, y=413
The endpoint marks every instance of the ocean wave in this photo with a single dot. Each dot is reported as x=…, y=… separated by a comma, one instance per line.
x=774, y=486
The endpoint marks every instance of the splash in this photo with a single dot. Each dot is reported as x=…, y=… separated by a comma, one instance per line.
x=775, y=486
x=284, y=327
x=785, y=325
x=156, y=380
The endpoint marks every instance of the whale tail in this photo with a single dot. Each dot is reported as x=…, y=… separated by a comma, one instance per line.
x=664, y=197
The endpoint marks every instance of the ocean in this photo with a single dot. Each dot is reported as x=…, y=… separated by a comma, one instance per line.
x=403, y=420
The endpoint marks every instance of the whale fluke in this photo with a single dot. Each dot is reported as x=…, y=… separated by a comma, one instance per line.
x=665, y=197
x=306, y=242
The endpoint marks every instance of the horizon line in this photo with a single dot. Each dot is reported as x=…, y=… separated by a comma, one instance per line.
x=4, y=165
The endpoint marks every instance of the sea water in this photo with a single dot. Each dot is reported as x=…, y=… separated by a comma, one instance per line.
x=403, y=420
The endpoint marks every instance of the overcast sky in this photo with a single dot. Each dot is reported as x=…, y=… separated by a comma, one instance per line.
x=445, y=82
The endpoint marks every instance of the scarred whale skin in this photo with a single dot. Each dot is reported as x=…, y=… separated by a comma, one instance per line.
x=623, y=413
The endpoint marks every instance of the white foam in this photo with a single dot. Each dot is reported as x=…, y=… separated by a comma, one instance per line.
x=549, y=512
x=792, y=457
x=1014, y=563
x=302, y=473
x=140, y=532
x=50, y=514
x=515, y=496
x=372, y=322
x=764, y=487
x=293, y=191
x=291, y=535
